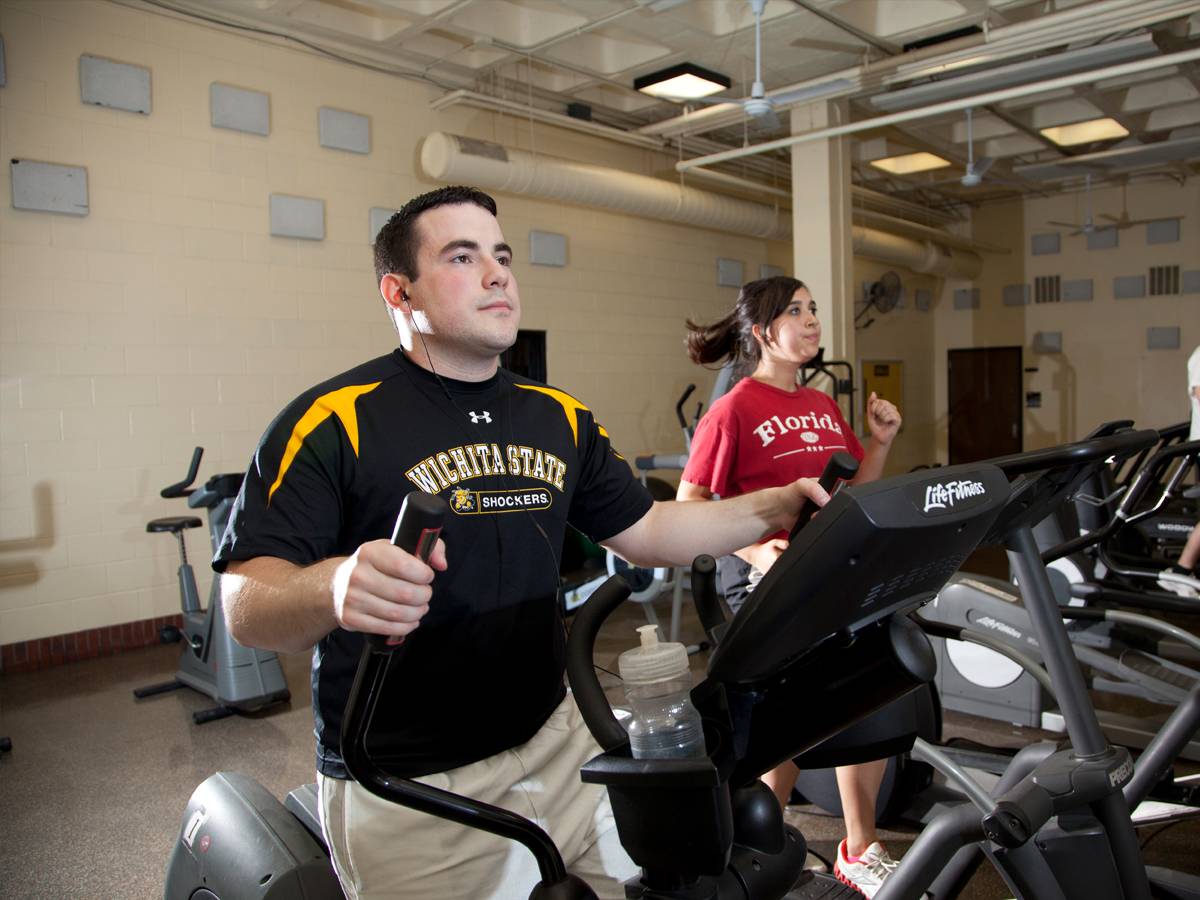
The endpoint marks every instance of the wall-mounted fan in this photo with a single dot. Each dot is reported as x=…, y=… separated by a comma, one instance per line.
x=881, y=295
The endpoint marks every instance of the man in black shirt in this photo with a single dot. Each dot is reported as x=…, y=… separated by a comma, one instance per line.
x=476, y=699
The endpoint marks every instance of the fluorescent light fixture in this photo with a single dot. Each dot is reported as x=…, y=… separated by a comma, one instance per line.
x=1040, y=68
x=910, y=163
x=1085, y=132
x=685, y=81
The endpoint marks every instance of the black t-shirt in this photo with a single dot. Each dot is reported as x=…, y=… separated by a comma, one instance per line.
x=510, y=456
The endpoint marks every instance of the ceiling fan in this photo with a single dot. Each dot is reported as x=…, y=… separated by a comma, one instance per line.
x=759, y=108
x=1089, y=224
x=1123, y=221
x=973, y=176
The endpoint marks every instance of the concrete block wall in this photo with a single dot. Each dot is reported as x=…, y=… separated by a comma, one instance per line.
x=169, y=317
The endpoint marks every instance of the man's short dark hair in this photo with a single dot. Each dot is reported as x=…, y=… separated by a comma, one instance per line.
x=397, y=242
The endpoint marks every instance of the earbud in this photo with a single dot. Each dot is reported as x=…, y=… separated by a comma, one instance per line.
x=404, y=296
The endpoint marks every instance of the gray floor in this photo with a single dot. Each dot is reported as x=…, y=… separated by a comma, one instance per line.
x=92, y=794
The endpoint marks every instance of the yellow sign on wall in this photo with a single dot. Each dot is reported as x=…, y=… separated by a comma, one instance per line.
x=886, y=379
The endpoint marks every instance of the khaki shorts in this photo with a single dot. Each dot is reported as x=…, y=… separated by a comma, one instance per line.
x=381, y=850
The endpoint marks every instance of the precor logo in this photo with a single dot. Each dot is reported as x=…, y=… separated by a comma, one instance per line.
x=946, y=494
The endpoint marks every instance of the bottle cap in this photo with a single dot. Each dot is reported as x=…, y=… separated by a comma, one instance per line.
x=652, y=661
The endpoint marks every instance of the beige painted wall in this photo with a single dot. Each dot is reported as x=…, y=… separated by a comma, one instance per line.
x=1104, y=371
x=170, y=318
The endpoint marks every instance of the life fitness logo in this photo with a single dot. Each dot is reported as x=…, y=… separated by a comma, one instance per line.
x=944, y=495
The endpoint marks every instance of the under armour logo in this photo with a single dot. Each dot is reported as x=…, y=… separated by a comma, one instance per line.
x=484, y=416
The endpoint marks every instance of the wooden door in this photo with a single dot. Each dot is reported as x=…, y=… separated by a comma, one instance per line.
x=985, y=393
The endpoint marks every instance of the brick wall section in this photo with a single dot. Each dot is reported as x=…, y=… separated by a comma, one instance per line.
x=33, y=656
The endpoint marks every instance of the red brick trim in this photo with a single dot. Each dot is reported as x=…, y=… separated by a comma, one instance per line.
x=43, y=653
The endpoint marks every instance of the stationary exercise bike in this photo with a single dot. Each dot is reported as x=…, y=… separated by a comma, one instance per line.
x=238, y=678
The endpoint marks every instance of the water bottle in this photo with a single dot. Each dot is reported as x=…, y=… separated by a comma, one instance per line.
x=657, y=679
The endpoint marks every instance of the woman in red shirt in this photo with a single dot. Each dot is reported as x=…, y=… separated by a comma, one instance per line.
x=765, y=432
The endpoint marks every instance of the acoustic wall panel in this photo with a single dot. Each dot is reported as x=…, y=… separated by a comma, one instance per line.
x=1047, y=342
x=547, y=248
x=966, y=298
x=298, y=217
x=377, y=219
x=1129, y=287
x=1078, y=289
x=239, y=109
x=103, y=82
x=923, y=299
x=1102, y=239
x=1162, y=231
x=730, y=273
x=1016, y=295
x=1046, y=244
x=48, y=187
x=341, y=130
x=1162, y=337
x=1191, y=282
x=766, y=270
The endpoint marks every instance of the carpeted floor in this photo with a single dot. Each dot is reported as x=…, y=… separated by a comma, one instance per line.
x=92, y=794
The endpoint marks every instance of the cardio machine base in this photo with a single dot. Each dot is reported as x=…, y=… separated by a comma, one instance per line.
x=237, y=842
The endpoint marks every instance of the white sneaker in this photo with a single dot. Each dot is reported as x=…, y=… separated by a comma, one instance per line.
x=1179, y=583
x=868, y=874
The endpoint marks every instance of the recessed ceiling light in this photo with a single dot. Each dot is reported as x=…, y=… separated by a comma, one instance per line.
x=685, y=81
x=910, y=163
x=1085, y=132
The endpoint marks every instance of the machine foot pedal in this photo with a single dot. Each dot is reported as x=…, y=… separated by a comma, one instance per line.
x=812, y=886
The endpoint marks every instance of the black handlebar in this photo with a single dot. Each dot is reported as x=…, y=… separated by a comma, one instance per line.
x=1082, y=452
x=589, y=696
x=706, y=598
x=1126, y=513
x=416, y=531
x=181, y=488
x=687, y=392
x=841, y=467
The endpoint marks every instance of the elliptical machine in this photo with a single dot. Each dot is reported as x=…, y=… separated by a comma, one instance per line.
x=701, y=829
x=239, y=679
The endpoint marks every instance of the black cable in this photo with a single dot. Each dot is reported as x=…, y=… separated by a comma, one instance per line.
x=505, y=475
x=1158, y=831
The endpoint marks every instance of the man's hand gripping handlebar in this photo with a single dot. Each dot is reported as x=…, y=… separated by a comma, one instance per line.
x=385, y=587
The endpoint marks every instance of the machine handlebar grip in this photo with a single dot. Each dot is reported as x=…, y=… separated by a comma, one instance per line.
x=417, y=529
x=704, y=594
x=180, y=488
x=581, y=644
x=687, y=392
x=841, y=467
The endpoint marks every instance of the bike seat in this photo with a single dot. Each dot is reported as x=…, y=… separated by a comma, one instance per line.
x=173, y=524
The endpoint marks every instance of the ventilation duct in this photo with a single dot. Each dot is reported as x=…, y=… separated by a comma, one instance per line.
x=916, y=255
x=453, y=158
x=450, y=157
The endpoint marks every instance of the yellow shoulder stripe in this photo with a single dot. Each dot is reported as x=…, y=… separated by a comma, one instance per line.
x=570, y=405
x=338, y=403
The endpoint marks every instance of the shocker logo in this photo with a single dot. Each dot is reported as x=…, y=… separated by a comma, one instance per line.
x=463, y=501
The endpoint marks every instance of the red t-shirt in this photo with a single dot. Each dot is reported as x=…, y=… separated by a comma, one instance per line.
x=759, y=436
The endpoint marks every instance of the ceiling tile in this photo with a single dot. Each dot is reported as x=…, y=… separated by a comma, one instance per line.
x=522, y=24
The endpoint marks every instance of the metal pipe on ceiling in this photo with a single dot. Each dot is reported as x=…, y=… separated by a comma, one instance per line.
x=998, y=96
x=1079, y=24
